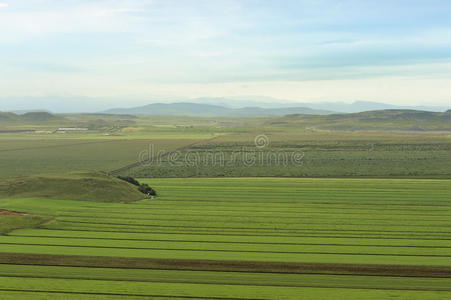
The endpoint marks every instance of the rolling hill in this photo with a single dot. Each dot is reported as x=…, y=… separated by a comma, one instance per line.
x=93, y=186
x=38, y=116
x=393, y=119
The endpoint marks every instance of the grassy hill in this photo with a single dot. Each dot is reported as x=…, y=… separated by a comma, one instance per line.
x=39, y=116
x=7, y=116
x=96, y=186
x=393, y=119
x=10, y=121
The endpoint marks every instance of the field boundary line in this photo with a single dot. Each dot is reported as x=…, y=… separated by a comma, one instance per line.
x=229, y=242
x=228, y=284
x=230, y=251
x=392, y=237
x=225, y=265
x=125, y=294
x=255, y=228
x=66, y=217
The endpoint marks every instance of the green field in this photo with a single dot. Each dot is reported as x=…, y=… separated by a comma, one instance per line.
x=374, y=224
x=55, y=156
x=221, y=146
x=238, y=238
x=322, y=154
x=109, y=143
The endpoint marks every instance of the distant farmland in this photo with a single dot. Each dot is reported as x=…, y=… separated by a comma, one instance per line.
x=41, y=156
x=243, y=238
x=323, y=154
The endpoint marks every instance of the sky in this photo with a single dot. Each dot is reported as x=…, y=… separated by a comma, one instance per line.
x=391, y=51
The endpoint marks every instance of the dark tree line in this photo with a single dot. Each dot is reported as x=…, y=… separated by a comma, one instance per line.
x=142, y=187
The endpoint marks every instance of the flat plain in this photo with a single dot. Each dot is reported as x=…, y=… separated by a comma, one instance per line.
x=374, y=224
x=238, y=238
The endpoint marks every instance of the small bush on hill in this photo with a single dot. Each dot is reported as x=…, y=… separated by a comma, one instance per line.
x=146, y=189
x=129, y=180
x=143, y=188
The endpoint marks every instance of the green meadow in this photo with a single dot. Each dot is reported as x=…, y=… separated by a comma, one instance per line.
x=298, y=152
x=237, y=238
x=221, y=147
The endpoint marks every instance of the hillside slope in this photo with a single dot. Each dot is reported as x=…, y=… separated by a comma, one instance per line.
x=97, y=187
x=29, y=117
x=393, y=119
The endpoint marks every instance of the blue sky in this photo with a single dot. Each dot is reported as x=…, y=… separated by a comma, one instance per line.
x=395, y=51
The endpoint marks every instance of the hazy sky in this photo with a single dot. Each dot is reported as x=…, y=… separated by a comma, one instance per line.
x=391, y=51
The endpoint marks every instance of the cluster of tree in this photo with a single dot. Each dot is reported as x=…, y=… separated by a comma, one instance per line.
x=146, y=189
x=142, y=187
x=129, y=180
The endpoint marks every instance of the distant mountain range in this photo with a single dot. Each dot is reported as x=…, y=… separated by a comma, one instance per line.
x=221, y=106
x=269, y=102
x=391, y=119
x=361, y=106
x=209, y=110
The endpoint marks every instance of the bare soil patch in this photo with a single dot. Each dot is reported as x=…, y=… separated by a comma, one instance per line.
x=11, y=213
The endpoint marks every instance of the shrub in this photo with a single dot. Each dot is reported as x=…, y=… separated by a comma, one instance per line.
x=146, y=189
x=143, y=188
x=129, y=180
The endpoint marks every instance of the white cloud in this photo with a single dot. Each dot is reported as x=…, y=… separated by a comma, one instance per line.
x=79, y=18
x=306, y=50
